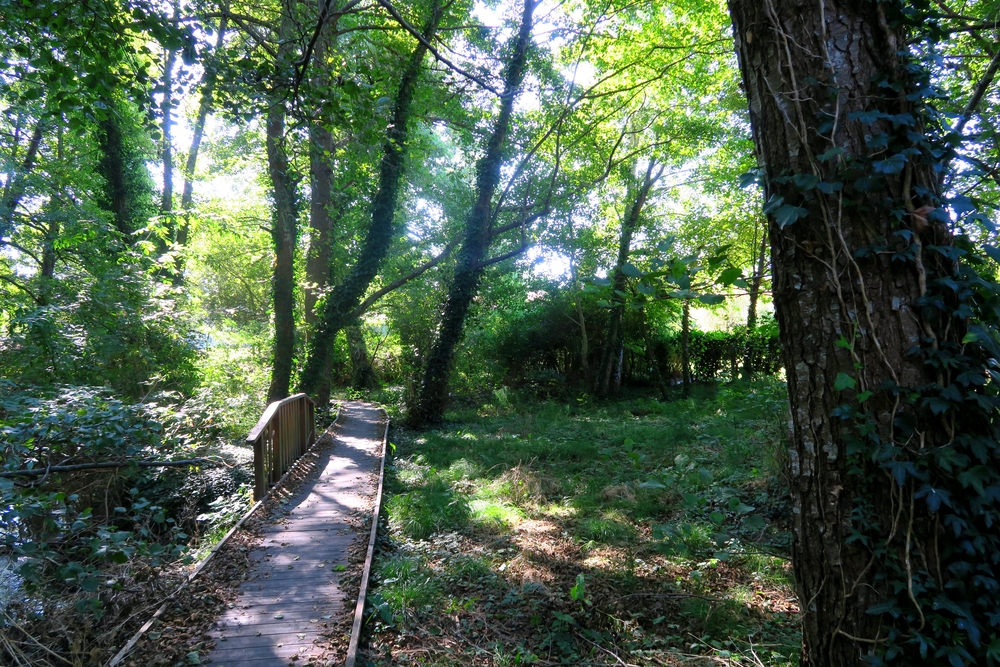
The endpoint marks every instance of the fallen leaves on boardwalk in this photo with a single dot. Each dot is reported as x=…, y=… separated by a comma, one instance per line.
x=180, y=636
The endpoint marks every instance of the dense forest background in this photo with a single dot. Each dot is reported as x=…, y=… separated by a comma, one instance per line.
x=207, y=206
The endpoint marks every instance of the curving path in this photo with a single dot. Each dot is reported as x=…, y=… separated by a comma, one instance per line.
x=292, y=590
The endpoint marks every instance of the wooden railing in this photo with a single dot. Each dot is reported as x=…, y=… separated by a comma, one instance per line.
x=283, y=434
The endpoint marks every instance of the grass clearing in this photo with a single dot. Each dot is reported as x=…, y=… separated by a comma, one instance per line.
x=551, y=533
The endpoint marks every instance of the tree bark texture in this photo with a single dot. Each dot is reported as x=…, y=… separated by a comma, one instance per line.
x=809, y=70
x=433, y=393
x=344, y=298
x=614, y=342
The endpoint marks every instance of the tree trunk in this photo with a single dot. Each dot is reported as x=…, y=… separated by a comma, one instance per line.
x=284, y=229
x=754, y=293
x=167, y=145
x=17, y=184
x=345, y=297
x=208, y=79
x=686, y=347
x=869, y=335
x=433, y=393
x=321, y=147
x=362, y=373
x=613, y=344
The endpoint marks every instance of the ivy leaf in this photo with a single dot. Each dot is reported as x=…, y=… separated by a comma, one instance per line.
x=830, y=154
x=754, y=522
x=866, y=117
x=993, y=252
x=602, y=282
x=829, y=188
x=844, y=381
x=886, y=607
x=647, y=289
x=805, y=182
x=788, y=214
x=749, y=178
x=711, y=299
x=891, y=165
x=774, y=202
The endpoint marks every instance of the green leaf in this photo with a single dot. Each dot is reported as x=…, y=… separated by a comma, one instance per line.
x=774, y=202
x=729, y=276
x=579, y=590
x=805, y=182
x=830, y=154
x=631, y=271
x=788, y=214
x=717, y=518
x=754, y=522
x=970, y=337
x=864, y=396
x=844, y=381
x=711, y=299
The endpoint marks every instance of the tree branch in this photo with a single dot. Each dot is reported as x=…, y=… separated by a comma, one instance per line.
x=36, y=472
x=399, y=282
x=416, y=33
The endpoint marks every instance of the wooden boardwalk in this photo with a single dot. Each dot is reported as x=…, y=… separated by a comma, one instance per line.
x=292, y=591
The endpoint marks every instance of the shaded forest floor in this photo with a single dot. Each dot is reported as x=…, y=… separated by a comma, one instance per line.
x=634, y=532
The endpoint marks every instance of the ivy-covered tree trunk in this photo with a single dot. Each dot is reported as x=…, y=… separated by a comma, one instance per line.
x=345, y=297
x=127, y=192
x=894, y=437
x=284, y=228
x=614, y=341
x=433, y=392
x=362, y=373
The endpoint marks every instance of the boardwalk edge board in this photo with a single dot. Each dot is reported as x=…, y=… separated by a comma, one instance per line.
x=359, y=610
x=124, y=652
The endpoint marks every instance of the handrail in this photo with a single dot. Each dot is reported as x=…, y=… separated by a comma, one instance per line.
x=284, y=432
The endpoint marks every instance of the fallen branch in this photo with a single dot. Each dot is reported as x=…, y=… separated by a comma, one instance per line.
x=35, y=472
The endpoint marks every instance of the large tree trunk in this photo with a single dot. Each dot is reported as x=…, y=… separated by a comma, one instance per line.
x=866, y=327
x=345, y=297
x=284, y=229
x=614, y=342
x=433, y=393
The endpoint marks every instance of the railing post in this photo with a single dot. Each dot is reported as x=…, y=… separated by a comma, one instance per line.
x=259, y=479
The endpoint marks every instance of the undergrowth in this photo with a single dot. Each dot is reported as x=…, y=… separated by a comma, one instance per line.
x=640, y=531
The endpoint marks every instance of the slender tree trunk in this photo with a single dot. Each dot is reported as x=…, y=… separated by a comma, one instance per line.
x=17, y=183
x=614, y=342
x=208, y=80
x=853, y=320
x=167, y=144
x=754, y=293
x=584, y=340
x=686, y=347
x=433, y=393
x=345, y=297
x=654, y=363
